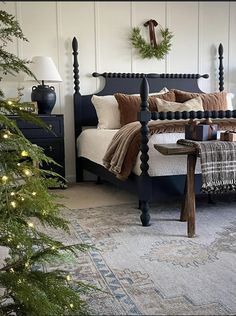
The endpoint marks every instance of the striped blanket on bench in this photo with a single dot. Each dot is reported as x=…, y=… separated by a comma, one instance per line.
x=218, y=164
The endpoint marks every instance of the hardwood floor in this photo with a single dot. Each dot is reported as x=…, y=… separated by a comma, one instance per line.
x=90, y=194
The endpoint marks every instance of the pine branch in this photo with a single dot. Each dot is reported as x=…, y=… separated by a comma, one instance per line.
x=12, y=28
x=26, y=207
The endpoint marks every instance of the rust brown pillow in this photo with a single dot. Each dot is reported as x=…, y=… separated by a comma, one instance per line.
x=210, y=101
x=129, y=105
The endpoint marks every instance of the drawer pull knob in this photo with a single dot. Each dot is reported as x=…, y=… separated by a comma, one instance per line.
x=50, y=126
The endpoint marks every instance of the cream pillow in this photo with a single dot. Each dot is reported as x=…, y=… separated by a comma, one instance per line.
x=108, y=112
x=229, y=97
x=194, y=104
x=162, y=91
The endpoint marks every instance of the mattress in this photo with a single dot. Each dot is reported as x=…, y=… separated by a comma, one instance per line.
x=93, y=143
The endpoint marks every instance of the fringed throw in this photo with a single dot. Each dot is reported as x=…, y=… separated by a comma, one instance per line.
x=218, y=164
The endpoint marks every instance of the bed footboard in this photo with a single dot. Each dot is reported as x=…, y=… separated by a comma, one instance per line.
x=145, y=116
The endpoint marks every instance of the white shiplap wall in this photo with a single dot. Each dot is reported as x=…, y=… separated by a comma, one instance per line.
x=103, y=29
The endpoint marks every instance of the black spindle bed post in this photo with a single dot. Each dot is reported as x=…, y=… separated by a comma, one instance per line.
x=77, y=115
x=145, y=187
x=221, y=68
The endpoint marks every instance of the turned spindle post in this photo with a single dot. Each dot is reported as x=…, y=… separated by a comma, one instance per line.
x=145, y=181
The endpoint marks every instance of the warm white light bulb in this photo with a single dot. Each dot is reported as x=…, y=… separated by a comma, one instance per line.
x=4, y=178
x=24, y=153
x=13, y=204
x=34, y=193
x=27, y=172
x=5, y=136
x=30, y=224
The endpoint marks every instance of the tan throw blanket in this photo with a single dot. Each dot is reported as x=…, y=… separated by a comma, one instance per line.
x=122, y=152
x=218, y=164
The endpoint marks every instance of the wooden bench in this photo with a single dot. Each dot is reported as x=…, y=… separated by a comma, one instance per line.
x=188, y=206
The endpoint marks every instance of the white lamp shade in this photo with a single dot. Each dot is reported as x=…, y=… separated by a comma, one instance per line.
x=44, y=69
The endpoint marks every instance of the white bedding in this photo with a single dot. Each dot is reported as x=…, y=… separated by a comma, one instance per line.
x=93, y=143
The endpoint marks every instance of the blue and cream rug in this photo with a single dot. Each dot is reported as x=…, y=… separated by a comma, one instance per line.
x=157, y=270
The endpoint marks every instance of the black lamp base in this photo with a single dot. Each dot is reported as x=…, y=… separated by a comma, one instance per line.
x=45, y=97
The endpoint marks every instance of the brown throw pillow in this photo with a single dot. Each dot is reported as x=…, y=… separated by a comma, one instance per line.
x=210, y=101
x=129, y=105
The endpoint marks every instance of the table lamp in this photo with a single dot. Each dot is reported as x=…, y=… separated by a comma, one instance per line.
x=44, y=69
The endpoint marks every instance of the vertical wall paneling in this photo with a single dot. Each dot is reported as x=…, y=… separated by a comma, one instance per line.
x=232, y=50
x=213, y=30
x=59, y=53
x=103, y=31
x=18, y=17
x=41, y=31
x=77, y=19
x=131, y=26
x=183, y=56
x=96, y=41
x=142, y=12
x=9, y=83
x=114, y=27
x=166, y=25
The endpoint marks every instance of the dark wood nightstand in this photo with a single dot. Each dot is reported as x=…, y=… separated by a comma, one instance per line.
x=51, y=141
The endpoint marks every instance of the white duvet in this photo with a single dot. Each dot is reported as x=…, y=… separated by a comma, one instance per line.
x=93, y=143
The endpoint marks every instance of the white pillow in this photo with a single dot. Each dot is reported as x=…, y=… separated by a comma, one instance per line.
x=108, y=112
x=229, y=98
x=194, y=104
x=162, y=91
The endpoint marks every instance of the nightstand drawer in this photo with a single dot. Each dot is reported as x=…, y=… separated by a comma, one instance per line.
x=55, y=150
x=52, y=141
x=32, y=131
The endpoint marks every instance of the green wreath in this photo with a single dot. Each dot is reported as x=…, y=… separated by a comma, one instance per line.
x=148, y=51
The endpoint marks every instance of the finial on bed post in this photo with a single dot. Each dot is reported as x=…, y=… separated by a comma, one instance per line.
x=144, y=117
x=75, y=65
x=221, y=68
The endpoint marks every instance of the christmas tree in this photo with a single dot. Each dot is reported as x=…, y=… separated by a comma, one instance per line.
x=27, y=284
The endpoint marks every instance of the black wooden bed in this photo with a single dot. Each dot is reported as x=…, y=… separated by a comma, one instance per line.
x=148, y=188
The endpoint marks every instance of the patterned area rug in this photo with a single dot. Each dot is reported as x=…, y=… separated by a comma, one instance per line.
x=157, y=270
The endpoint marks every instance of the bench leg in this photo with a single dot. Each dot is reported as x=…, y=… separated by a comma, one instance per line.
x=190, y=196
x=184, y=210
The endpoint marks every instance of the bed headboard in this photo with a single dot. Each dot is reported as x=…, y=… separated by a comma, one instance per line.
x=84, y=111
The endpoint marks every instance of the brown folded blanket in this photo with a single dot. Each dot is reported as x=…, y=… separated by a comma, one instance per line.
x=122, y=152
